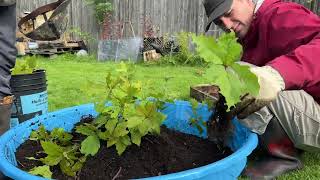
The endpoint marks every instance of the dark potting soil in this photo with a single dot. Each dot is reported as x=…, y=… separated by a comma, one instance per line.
x=170, y=152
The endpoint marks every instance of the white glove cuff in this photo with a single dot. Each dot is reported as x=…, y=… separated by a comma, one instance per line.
x=270, y=81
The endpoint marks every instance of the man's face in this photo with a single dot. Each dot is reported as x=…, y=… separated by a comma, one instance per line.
x=238, y=18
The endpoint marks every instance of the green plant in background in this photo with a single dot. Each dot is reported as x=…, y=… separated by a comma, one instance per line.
x=101, y=7
x=185, y=56
x=233, y=79
x=85, y=36
x=24, y=65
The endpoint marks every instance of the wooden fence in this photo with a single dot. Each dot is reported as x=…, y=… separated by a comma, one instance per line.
x=167, y=16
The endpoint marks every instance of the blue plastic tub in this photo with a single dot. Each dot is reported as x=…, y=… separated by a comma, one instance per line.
x=243, y=142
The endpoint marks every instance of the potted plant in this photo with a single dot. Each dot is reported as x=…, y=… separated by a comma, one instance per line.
x=29, y=86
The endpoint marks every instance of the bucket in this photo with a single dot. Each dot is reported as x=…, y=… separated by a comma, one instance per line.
x=31, y=97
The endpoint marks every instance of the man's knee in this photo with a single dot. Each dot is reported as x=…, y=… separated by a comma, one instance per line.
x=296, y=100
x=299, y=115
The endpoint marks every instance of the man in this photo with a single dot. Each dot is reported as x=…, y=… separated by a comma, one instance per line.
x=7, y=60
x=281, y=43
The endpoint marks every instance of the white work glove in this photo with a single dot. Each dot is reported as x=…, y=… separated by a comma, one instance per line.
x=7, y=2
x=271, y=83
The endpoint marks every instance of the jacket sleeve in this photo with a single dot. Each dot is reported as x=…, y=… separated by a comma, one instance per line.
x=300, y=67
x=7, y=47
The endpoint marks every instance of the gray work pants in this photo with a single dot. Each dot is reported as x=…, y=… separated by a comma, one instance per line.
x=297, y=112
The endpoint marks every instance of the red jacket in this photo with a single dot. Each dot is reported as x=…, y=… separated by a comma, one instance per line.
x=286, y=36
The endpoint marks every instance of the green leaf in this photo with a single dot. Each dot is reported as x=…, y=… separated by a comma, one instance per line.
x=111, y=125
x=101, y=120
x=161, y=117
x=108, y=79
x=156, y=129
x=52, y=160
x=61, y=135
x=32, y=63
x=79, y=164
x=231, y=48
x=150, y=109
x=120, y=130
x=134, y=121
x=112, y=141
x=88, y=130
x=220, y=77
x=125, y=140
x=144, y=127
x=133, y=90
x=40, y=134
x=54, y=152
x=24, y=66
x=156, y=120
x=104, y=135
x=140, y=109
x=122, y=144
x=43, y=171
x=247, y=78
x=135, y=137
x=230, y=87
x=51, y=148
x=66, y=167
x=120, y=147
x=205, y=48
x=99, y=106
x=194, y=103
x=119, y=94
x=113, y=111
x=90, y=146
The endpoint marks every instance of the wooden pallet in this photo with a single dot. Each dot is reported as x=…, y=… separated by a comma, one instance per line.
x=50, y=48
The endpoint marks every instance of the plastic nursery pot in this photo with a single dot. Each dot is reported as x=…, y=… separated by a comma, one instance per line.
x=178, y=114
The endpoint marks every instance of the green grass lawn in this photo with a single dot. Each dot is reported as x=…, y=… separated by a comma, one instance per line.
x=68, y=74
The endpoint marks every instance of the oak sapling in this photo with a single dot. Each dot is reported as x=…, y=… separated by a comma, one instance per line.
x=234, y=80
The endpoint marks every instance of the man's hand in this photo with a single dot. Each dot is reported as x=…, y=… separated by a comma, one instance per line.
x=271, y=83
